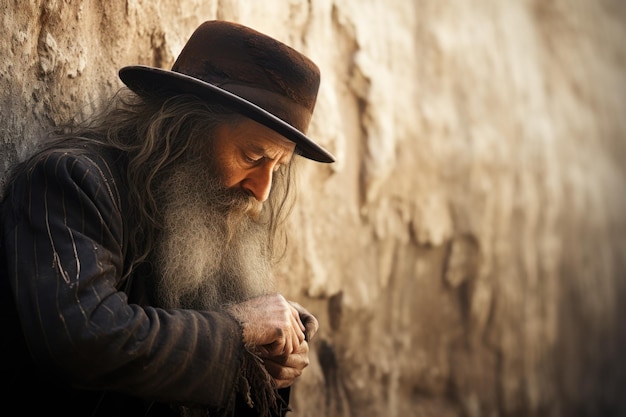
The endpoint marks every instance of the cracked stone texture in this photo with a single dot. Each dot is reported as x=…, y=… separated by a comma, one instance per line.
x=466, y=255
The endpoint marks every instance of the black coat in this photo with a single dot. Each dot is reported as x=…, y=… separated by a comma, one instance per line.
x=76, y=345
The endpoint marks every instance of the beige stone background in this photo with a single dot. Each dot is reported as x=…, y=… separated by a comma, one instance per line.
x=466, y=255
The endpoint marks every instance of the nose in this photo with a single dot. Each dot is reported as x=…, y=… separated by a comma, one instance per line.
x=259, y=182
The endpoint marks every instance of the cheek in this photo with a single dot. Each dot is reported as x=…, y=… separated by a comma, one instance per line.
x=223, y=170
x=231, y=176
x=229, y=181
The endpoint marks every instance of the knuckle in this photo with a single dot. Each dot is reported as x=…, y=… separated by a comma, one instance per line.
x=280, y=333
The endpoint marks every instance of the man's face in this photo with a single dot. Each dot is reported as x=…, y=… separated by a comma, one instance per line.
x=213, y=248
x=246, y=156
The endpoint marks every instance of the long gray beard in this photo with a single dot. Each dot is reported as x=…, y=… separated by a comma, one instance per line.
x=208, y=256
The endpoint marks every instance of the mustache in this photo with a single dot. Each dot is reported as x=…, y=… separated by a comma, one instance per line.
x=236, y=201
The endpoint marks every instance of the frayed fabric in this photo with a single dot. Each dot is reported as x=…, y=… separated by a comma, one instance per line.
x=255, y=394
x=258, y=388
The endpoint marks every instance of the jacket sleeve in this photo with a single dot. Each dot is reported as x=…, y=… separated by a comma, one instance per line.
x=63, y=231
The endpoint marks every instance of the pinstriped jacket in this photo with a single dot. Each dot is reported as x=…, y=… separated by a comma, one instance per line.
x=65, y=250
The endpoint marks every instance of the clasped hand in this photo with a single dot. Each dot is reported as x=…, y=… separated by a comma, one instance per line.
x=278, y=331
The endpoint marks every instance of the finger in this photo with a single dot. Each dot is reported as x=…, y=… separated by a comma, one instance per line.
x=283, y=373
x=299, y=359
x=280, y=383
x=296, y=310
x=297, y=325
x=299, y=319
x=288, y=348
x=277, y=345
x=272, y=350
x=311, y=326
x=297, y=333
x=290, y=343
x=310, y=323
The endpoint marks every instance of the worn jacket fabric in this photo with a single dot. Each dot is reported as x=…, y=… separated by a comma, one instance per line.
x=80, y=342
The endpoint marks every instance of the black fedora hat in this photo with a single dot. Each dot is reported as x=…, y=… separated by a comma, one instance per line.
x=254, y=74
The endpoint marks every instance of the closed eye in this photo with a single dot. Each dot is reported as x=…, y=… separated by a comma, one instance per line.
x=252, y=159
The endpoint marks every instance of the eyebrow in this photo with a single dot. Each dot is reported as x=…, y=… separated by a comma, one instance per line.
x=260, y=150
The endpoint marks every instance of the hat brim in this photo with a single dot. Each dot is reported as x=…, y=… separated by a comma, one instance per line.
x=143, y=79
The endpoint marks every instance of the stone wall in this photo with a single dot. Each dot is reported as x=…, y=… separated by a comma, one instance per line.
x=466, y=255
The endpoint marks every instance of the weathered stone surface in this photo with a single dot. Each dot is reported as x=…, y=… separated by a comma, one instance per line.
x=466, y=255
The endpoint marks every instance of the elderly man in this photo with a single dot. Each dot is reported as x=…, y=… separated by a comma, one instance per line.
x=138, y=246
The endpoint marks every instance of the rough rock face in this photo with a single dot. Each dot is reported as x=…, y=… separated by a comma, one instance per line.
x=466, y=255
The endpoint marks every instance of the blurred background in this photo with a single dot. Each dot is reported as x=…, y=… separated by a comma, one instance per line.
x=466, y=254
